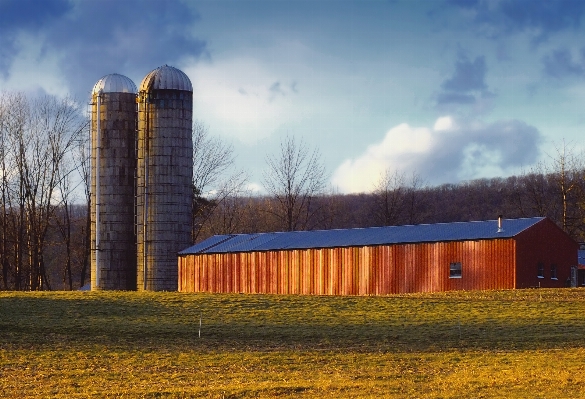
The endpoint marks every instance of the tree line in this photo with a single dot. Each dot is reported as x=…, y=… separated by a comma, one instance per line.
x=45, y=194
x=527, y=195
x=298, y=198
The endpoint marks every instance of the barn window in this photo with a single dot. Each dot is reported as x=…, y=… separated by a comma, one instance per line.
x=540, y=270
x=553, y=272
x=455, y=270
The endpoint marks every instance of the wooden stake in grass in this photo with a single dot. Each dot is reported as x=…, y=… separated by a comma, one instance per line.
x=200, y=317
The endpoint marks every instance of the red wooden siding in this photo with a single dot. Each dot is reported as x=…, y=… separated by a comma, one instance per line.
x=375, y=270
x=544, y=242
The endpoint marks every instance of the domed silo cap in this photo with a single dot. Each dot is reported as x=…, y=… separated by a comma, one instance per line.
x=166, y=78
x=114, y=83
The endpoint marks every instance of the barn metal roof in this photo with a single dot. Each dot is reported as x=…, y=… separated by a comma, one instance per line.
x=114, y=83
x=166, y=78
x=362, y=237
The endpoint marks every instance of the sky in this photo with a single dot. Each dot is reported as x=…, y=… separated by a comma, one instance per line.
x=450, y=90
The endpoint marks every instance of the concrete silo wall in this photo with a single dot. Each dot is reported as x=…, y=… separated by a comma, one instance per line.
x=163, y=185
x=114, y=264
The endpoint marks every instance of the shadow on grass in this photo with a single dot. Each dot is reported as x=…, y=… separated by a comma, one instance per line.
x=264, y=323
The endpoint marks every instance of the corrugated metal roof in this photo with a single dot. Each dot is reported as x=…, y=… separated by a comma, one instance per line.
x=114, y=83
x=166, y=78
x=362, y=237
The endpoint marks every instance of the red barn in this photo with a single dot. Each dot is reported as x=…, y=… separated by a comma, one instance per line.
x=483, y=255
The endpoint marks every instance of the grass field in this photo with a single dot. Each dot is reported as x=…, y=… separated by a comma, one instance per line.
x=501, y=344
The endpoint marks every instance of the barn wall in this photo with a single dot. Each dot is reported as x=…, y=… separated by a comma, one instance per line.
x=544, y=242
x=379, y=270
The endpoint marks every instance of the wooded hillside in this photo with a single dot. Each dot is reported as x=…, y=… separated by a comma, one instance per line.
x=517, y=196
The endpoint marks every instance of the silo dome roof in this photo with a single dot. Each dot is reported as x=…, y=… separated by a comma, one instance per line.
x=114, y=83
x=166, y=78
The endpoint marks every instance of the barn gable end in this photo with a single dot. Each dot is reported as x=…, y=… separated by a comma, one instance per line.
x=547, y=245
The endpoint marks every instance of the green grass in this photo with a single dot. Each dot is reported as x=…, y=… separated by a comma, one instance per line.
x=497, y=344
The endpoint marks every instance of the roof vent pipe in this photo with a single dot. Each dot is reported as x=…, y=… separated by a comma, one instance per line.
x=500, y=229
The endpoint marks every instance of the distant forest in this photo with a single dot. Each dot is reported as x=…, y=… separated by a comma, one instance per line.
x=45, y=194
x=528, y=195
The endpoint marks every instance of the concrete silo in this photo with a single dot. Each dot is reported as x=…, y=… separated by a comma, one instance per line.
x=164, y=175
x=113, y=166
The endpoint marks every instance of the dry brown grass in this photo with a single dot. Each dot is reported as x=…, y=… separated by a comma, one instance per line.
x=508, y=344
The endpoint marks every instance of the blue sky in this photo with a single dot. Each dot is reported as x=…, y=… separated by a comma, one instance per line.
x=450, y=90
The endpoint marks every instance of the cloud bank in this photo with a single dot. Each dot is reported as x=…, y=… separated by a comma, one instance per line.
x=84, y=40
x=449, y=151
x=540, y=18
x=242, y=98
x=560, y=64
x=467, y=84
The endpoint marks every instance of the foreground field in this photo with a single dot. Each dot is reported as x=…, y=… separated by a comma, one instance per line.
x=510, y=344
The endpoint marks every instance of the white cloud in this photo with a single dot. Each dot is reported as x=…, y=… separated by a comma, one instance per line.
x=255, y=188
x=32, y=62
x=444, y=123
x=240, y=98
x=399, y=149
x=447, y=152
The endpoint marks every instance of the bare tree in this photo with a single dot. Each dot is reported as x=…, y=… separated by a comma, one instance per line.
x=6, y=170
x=396, y=198
x=55, y=126
x=537, y=190
x=234, y=213
x=15, y=116
x=566, y=170
x=389, y=197
x=64, y=216
x=554, y=188
x=221, y=210
x=211, y=158
x=294, y=178
x=212, y=184
x=413, y=199
x=81, y=162
x=37, y=135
